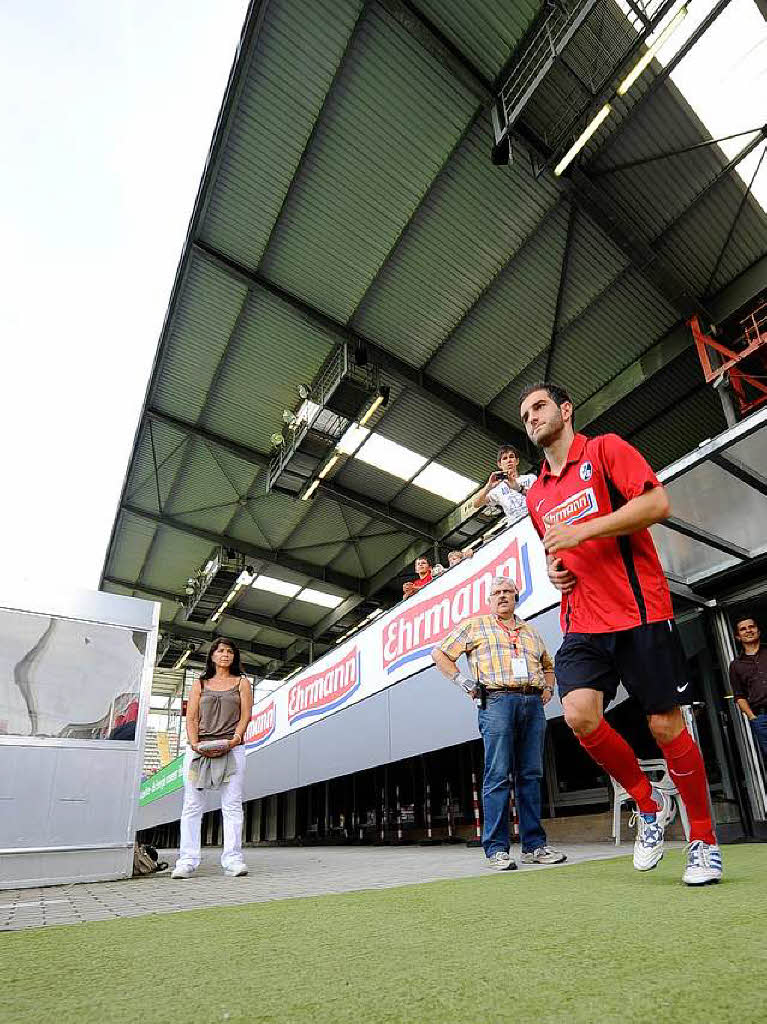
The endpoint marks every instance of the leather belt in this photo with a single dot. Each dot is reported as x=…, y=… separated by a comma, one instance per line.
x=527, y=690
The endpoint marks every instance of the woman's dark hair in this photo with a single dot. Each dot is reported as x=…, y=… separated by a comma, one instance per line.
x=557, y=394
x=235, y=669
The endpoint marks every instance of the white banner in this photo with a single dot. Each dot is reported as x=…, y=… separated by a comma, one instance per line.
x=398, y=645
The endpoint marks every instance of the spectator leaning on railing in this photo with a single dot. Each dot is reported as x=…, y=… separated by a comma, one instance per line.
x=504, y=488
x=424, y=576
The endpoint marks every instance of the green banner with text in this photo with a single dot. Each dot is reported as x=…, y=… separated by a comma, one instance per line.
x=167, y=780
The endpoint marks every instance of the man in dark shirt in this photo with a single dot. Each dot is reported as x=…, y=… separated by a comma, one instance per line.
x=748, y=677
x=592, y=505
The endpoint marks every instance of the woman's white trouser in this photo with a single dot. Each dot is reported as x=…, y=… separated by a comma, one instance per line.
x=231, y=808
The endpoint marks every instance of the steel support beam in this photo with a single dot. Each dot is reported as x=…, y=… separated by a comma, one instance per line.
x=241, y=451
x=377, y=510
x=741, y=471
x=711, y=540
x=232, y=612
x=205, y=635
x=314, y=572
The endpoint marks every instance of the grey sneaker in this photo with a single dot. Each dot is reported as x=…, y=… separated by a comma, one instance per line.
x=501, y=861
x=236, y=870
x=543, y=855
x=182, y=871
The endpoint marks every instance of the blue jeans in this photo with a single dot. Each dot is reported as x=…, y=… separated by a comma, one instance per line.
x=759, y=729
x=512, y=728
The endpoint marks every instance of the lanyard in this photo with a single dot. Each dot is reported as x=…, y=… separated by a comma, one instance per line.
x=514, y=639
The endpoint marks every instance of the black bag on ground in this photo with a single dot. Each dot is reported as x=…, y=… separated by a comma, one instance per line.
x=145, y=860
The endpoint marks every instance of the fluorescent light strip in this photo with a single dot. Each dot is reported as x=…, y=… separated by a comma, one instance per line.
x=582, y=139
x=181, y=660
x=272, y=585
x=327, y=467
x=319, y=597
x=645, y=60
x=310, y=490
x=374, y=405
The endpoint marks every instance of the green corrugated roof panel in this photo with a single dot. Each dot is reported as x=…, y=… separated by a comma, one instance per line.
x=693, y=247
x=474, y=218
x=412, y=408
x=203, y=319
x=238, y=630
x=202, y=494
x=367, y=480
x=428, y=506
x=472, y=454
x=273, y=350
x=389, y=123
x=169, y=449
x=261, y=601
x=513, y=320
x=379, y=552
x=325, y=522
x=618, y=328
x=268, y=520
x=671, y=435
x=485, y=30
x=133, y=538
x=506, y=404
x=173, y=558
x=594, y=261
x=297, y=52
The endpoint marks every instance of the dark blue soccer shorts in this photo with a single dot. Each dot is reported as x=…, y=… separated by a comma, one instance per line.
x=648, y=660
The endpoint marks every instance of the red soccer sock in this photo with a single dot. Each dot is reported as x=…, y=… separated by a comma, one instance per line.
x=685, y=766
x=609, y=749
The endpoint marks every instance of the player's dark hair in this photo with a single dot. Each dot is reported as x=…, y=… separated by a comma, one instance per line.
x=506, y=448
x=554, y=391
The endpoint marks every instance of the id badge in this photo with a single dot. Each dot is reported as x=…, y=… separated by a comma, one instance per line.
x=519, y=668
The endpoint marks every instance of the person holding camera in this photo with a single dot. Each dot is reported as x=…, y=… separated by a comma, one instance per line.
x=504, y=488
x=512, y=679
x=217, y=716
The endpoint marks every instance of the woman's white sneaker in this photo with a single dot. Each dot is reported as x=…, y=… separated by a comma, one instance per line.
x=182, y=871
x=236, y=870
x=651, y=829
x=704, y=864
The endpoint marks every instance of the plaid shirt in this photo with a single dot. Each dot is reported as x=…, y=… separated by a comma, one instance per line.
x=489, y=649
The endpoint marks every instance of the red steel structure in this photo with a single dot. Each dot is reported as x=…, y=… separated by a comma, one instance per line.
x=745, y=366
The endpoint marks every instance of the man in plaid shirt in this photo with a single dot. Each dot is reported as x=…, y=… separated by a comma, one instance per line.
x=508, y=661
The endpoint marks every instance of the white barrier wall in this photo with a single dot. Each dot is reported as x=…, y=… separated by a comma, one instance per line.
x=75, y=680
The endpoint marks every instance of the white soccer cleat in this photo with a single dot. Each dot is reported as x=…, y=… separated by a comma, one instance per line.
x=704, y=864
x=651, y=830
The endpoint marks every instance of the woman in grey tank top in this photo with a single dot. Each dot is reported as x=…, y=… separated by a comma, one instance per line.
x=219, y=709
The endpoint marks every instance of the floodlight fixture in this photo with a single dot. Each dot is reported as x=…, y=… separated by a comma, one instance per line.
x=303, y=392
x=277, y=439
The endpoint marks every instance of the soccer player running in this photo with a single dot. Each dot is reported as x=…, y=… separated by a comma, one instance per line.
x=592, y=504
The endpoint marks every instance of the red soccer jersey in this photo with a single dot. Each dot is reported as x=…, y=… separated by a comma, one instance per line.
x=620, y=582
x=418, y=582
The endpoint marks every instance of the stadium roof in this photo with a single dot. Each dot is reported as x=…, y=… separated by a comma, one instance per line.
x=349, y=196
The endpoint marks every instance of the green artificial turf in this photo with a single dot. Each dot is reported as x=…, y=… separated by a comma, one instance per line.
x=595, y=942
